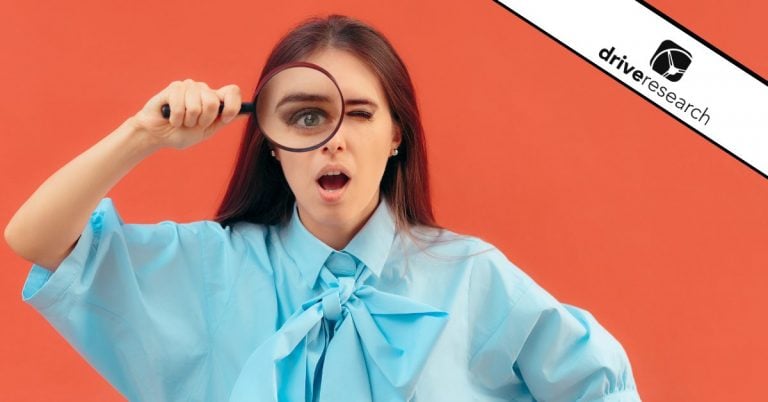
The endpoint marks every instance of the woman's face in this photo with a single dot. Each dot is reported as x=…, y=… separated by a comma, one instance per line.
x=365, y=140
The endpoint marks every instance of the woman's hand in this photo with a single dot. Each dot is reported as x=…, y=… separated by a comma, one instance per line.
x=194, y=113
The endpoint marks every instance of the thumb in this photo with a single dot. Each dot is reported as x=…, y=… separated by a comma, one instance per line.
x=155, y=103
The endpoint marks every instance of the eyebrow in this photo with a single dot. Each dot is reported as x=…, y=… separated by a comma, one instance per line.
x=302, y=97
x=305, y=97
x=361, y=101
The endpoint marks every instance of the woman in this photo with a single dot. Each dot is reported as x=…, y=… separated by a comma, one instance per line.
x=297, y=292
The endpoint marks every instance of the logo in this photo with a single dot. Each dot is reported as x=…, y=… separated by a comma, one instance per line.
x=671, y=60
x=667, y=58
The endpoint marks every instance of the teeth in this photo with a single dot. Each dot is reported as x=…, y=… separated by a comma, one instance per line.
x=336, y=173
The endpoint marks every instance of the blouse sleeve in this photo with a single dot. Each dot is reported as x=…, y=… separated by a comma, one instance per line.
x=555, y=351
x=131, y=299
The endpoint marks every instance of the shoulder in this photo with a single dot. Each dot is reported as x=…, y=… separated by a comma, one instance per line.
x=490, y=271
x=216, y=244
x=233, y=232
x=475, y=250
x=443, y=244
x=239, y=237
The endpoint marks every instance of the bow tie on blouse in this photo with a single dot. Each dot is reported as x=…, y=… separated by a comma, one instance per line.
x=350, y=340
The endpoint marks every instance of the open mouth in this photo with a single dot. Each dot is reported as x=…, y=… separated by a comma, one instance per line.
x=333, y=183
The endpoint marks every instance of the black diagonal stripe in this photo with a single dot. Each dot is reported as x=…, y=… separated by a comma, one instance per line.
x=670, y=20
x=705, y=43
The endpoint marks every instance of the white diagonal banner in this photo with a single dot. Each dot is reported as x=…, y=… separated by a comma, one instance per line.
x=663, y=63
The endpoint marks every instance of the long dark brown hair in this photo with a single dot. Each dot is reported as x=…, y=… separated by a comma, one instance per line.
x=258, y=191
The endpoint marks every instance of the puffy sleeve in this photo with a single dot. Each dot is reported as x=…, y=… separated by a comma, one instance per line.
x=529, y=344
x=133, y=300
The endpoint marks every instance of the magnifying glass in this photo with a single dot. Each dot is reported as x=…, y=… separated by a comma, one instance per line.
x=298, y=106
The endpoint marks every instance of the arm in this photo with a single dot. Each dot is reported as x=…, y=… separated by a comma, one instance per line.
x=569, y=356
x=46, y=227
x=527, y=344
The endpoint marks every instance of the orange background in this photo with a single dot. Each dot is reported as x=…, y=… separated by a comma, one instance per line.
x=609, y=203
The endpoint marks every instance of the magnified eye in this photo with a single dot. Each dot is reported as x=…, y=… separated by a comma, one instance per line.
x=308, y=118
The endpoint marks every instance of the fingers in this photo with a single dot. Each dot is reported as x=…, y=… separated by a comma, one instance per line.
x=210, y=104
x=192, y=103
x=176, y=102
x=230, y=94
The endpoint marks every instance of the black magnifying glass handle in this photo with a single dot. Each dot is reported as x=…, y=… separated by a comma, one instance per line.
x=246, y=107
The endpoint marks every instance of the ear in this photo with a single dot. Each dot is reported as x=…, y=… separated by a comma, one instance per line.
x=397, y=136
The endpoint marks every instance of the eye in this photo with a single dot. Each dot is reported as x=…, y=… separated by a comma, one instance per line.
x=307, y=118
x=361, y=113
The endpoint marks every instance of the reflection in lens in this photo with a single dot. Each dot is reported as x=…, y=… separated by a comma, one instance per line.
x=299, y=107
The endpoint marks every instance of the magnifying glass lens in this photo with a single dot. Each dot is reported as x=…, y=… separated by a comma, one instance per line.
x=299, y=107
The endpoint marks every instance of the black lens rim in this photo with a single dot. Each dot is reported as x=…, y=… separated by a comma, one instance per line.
x=272, y=74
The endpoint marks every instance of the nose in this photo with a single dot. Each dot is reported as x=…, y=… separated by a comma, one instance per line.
x=337, y=142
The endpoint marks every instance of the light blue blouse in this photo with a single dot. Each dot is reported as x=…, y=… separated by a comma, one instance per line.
x=196, y=312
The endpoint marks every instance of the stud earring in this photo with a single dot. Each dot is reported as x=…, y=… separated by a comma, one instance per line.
x=272, y=151
x=394, y=152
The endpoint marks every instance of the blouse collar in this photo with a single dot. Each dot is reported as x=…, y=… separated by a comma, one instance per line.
x=371, y=244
